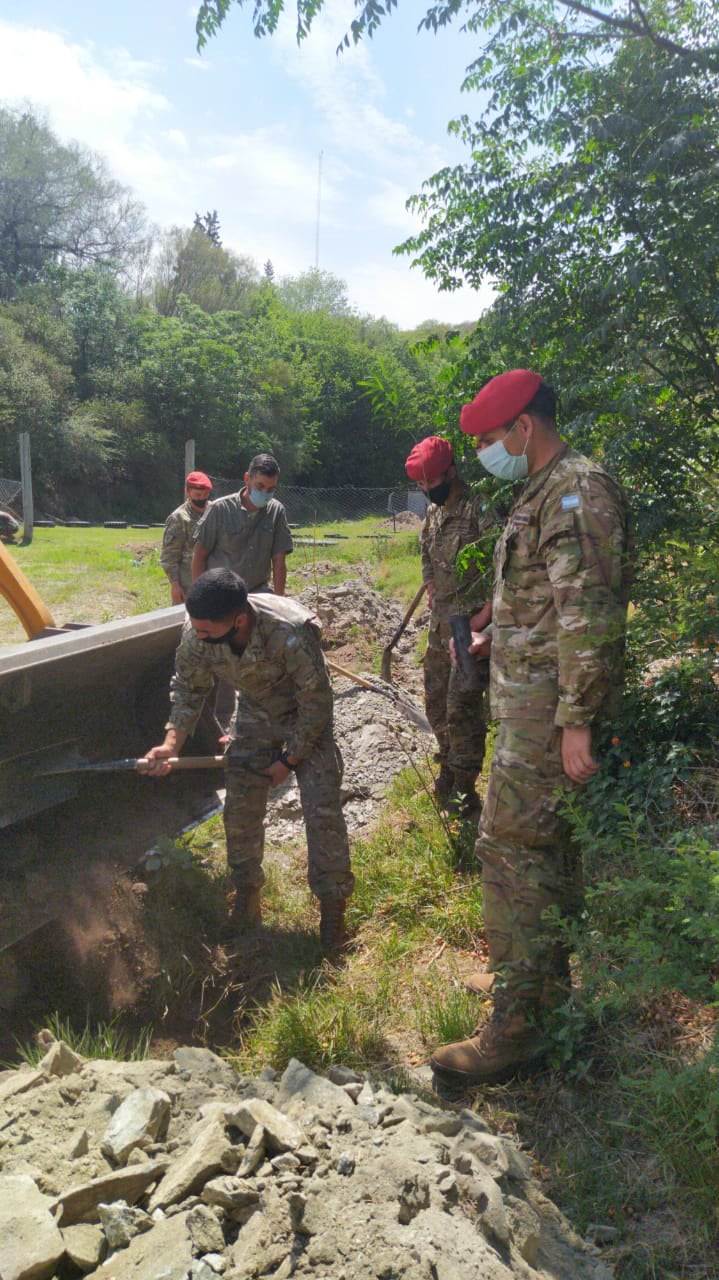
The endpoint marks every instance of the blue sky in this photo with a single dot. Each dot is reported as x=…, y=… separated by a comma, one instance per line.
x=240, y=129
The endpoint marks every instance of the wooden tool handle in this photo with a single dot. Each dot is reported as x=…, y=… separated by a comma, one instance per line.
x=185, y=762
x=352, y=675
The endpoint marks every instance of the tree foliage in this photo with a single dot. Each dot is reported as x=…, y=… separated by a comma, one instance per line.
x=58, y=205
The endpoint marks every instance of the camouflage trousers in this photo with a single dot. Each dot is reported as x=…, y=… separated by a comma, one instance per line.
x=318, y=778
x=458, y=715
x=529, y=863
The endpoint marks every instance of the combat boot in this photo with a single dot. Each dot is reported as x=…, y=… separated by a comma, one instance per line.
x=444, y=784
x=480, y=984
x=464, y=801
x=246, y=910
x=504, y=1046
x=333, y=936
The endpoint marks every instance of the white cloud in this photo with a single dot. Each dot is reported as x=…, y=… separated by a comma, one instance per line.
x=402, y=293
x=198, y=64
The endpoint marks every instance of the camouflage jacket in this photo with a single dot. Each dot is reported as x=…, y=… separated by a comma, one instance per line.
x=563, y=568
x=285, y=695
x=178, y=543
x=244, y=540
x=445, y=532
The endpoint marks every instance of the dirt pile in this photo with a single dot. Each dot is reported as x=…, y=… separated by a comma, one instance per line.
x=184, y=1169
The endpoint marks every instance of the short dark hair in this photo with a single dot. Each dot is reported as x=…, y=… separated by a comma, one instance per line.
x=264, y=464
x=216, y=595
x=543, y=403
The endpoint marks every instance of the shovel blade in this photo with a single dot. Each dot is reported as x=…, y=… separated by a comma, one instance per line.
x=25, y=790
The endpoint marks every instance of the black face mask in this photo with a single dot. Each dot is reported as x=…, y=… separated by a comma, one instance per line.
x=199, y=502
x=224, y=639
x=439, y=493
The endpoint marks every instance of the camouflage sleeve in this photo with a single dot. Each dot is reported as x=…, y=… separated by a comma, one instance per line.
x=282, y=538
x=207, y=528
x=424, y=544
x=584, y=537
x=191, y=683
x=173, y=541
x=313, y=691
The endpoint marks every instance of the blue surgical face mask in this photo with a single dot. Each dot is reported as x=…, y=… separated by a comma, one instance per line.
x=503, y=465
x=259, y=498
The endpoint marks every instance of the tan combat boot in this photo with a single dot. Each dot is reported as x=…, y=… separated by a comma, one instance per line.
x=246, y=910
x=333, y=936
x=480, y=984
x=496, y=1051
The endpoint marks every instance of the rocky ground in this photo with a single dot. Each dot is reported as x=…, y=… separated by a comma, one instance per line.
x=184, y=1170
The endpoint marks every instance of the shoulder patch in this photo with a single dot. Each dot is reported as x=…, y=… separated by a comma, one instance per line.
x=570, y=501
x=292, y=641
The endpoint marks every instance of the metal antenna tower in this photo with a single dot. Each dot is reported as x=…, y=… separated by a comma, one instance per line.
x=319, y=205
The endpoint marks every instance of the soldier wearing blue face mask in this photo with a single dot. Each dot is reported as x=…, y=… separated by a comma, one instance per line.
x=562, y=572
x=247, y=531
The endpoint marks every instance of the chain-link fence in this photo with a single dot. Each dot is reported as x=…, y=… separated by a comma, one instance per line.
x=10, y=508
x=323, y=506
x=304, y=505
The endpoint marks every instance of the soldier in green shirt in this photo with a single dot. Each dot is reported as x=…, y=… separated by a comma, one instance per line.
x=558, y=616
x=247, y=531
x=178, y=540
x=457, y=712
x=268, y=650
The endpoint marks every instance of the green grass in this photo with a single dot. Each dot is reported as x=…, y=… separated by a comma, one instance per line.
x=90, y=575
x=102, y=1040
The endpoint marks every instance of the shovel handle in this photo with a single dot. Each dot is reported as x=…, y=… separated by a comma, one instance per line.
x=184, y=762
x=352, y=675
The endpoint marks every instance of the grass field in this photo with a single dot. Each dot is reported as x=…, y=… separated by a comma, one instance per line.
x=624, y=1123
x=96, y=575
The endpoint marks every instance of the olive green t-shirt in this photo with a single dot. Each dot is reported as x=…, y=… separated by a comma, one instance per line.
x=243, y=540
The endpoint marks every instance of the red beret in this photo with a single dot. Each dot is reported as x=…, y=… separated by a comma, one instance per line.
x=198, y=480
x=500, y=401
x=429, y=459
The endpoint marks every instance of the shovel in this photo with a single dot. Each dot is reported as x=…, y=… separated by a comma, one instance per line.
x=402, y=703
x=387, y=651
x=134, y=764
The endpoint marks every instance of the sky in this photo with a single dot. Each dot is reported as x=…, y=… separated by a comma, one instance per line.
x=307, y=157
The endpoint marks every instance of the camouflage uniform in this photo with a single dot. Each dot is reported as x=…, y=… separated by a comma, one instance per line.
x=562, y=578
x=243, y=540
x=458, y=715
x=284, y=700
x=178, y=544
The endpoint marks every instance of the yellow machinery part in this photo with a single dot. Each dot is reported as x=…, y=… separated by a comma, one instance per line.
x=22, y=596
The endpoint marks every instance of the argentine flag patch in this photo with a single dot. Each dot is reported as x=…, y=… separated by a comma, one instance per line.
x=570, y=502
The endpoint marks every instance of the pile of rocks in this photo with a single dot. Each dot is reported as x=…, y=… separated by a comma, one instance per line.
x=184, y=1170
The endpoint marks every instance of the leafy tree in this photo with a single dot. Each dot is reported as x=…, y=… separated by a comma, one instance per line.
x=210, y=224
x=98, y=313
x=213, y=278
x=58, y=205
x=315, y=290
x=684, y=29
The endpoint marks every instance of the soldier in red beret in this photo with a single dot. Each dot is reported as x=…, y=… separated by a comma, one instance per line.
x=562, y=577
x=457, y=712
x=178, y=540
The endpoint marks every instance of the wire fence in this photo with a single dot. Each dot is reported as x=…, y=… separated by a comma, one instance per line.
x=304, y=505
x=333, y=505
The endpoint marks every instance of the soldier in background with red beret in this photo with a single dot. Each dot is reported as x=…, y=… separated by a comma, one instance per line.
x=178, y=540
x=457, y=713
x=561, y=588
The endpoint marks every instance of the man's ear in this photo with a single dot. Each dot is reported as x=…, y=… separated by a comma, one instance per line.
x=247, y=479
